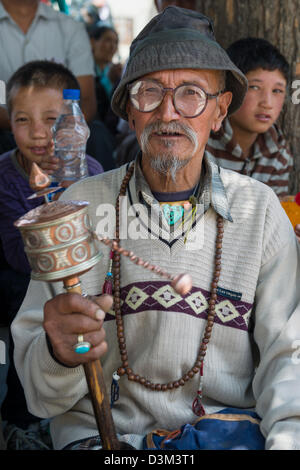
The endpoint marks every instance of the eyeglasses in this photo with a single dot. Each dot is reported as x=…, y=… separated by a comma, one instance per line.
x=189, y=100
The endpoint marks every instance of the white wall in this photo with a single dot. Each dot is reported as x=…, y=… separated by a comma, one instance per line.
x=140, y=11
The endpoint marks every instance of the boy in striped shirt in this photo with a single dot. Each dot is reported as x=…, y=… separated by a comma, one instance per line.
x=249, y=141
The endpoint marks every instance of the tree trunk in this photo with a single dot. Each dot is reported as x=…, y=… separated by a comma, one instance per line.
x=278, y=22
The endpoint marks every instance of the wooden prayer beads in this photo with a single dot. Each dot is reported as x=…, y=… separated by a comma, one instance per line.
x=197, y=366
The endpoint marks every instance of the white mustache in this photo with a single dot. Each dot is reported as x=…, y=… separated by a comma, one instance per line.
x=172, y=127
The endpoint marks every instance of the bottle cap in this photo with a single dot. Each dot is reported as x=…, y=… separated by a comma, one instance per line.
x=71, y=94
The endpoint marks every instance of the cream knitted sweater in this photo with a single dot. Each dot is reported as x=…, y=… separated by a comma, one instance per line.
x=257, y=310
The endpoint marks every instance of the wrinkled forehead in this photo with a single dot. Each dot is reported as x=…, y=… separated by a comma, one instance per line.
x=209, y=79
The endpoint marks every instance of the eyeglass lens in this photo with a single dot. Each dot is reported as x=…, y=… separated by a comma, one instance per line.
x=189, y=100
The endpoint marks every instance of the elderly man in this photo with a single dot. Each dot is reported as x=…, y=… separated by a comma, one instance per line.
x=231, y=340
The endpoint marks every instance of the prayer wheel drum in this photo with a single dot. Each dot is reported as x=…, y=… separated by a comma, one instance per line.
x=58, y=240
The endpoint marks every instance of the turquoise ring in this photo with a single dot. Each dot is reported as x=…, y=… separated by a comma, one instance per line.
x=82, y=347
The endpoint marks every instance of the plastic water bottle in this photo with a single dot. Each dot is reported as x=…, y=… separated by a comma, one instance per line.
x=70, y=133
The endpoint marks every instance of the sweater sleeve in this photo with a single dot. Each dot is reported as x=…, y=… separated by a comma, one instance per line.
x=276, y=383
x=50, y=388
x=13, y=204
x=94, y=167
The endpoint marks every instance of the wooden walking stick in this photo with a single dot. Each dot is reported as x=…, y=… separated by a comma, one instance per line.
x=60, y=246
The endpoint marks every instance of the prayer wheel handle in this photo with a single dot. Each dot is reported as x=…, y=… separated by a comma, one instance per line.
x=97, y=389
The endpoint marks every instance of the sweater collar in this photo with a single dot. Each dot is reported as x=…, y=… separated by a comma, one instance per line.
x=210, y=192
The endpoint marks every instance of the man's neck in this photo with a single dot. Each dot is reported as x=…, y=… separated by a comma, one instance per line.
x=186, y=178
x=244, y=138
x=22, y=13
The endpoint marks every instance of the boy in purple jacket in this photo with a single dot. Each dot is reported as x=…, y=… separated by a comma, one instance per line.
x=34, y=100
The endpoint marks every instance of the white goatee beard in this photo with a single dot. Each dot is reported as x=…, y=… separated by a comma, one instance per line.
x=168, y=162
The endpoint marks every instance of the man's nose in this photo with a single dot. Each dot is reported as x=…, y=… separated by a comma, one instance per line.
x=166, y=109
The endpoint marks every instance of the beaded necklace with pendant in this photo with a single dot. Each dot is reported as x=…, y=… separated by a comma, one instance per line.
x=113, y=275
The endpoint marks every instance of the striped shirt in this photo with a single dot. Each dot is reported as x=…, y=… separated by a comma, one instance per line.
x=270, y=161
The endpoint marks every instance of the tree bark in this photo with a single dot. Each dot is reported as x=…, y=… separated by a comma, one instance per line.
x=278, y=22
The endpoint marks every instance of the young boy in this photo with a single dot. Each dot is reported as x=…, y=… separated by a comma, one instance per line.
x=34, y=100
x=249, y=141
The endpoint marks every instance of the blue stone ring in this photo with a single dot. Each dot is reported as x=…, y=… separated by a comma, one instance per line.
x=82, y=347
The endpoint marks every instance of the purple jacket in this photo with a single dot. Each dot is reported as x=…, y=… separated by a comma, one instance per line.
x=14, y=191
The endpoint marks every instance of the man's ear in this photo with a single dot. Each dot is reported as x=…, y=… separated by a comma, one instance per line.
x=223, y=104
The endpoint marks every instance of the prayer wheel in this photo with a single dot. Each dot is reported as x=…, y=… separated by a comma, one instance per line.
x=58, y=240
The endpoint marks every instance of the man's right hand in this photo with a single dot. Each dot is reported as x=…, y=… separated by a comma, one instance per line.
x=68, y=315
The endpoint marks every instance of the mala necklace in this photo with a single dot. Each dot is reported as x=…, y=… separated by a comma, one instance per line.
x=198, y=365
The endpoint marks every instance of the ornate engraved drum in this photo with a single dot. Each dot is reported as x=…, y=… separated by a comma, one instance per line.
x=58, y=240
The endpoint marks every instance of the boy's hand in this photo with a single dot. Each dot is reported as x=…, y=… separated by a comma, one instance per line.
x=68, y=315
x=49, y=163
x=297, y=232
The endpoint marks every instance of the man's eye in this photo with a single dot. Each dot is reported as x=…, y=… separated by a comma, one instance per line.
x=190, y=91
x=152, y=90
x=253, y=87
x=278, y=90
x=21, y=119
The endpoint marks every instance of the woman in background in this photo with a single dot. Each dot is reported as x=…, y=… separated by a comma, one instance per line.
x=104, y=42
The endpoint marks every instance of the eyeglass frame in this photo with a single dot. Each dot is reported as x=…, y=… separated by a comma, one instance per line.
x=208, y=96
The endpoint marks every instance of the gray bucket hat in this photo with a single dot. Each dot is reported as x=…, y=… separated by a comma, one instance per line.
x=178, y=38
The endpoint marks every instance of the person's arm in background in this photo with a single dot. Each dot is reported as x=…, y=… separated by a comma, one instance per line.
x=12, y=206
x=81, y=62
x=88, y=102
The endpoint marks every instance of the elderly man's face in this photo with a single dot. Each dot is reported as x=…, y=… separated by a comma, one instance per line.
x=164, y=133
